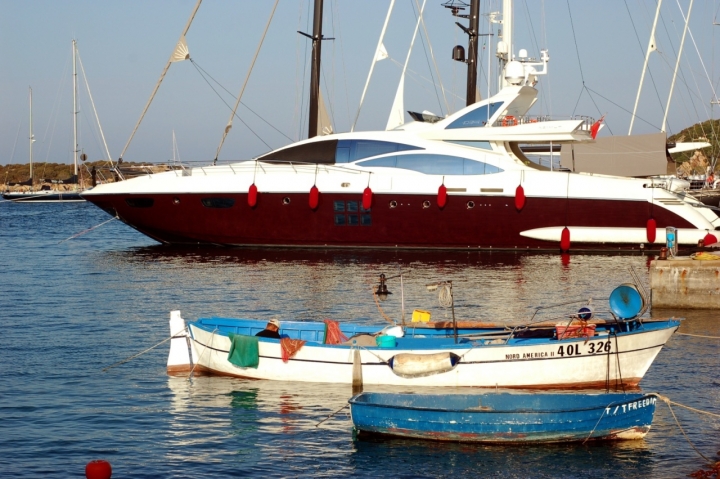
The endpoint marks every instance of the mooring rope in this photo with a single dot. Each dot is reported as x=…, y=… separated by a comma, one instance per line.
x=668, y=402
x=142, y=352
x=331, y=415
x=89, y=229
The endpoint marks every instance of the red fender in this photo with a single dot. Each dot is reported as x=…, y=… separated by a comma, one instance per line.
x=252, y=196
x=367, y=198
x=519, y=197
x=314, y=197
x=565, y=239
x=442, y=196
x=651, y=230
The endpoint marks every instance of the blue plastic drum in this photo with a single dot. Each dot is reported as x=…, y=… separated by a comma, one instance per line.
x=626, y=301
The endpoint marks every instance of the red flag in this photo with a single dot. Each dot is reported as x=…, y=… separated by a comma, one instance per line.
x=596, y=127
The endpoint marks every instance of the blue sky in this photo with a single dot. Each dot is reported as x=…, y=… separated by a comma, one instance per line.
x=124, y=46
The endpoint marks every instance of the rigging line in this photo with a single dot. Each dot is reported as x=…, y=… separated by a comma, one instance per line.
x=162, y=77
x=420, y=18
x=17, y=135
x=336, y=11
x=54, y=115
x=597, y=107
x=432, y=56
x=327, y=90
x=692, y=37
x=577, y=51
x=298, y=94
x=534, y=38
x=247, y=77
x=301, y=123
x=92, y=103
x=372, y=65
x=415, y=75
x=229, y=107
x=621, y=107
x=243, y=104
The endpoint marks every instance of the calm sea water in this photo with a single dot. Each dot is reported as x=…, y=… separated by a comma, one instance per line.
x=70, y=309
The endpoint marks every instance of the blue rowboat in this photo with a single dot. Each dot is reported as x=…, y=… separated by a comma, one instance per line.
x=505, y=417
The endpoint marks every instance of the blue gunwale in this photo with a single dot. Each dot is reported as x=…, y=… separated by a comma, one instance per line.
x=415, y=338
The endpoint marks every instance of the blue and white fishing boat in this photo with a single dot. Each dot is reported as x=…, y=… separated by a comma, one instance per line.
x=504, y=417
x=599, y=353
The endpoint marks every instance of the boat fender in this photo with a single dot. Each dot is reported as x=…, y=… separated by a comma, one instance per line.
x=314, y=197
x=519, y=198
x=651, y=230
x=709, y=239
x=367, y=198
x=565, y=240
x=408, y=365
x=442, y=196
x=252, y=195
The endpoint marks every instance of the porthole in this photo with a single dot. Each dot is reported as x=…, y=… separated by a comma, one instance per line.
x=218, y=202
x=176, y=201
x=286, y=200
x=139, y=202
x=470, y=205
x=393, y=204
x=426, y=204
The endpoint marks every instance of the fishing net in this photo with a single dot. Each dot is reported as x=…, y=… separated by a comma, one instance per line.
x=289, y=347
x=333, y=335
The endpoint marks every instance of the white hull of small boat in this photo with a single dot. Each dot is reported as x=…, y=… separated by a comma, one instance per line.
x=573, y=363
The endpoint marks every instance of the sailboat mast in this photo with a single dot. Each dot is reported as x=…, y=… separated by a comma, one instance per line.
x=31, y=138
x=315, y=69
x=75, y=110
x=471, y=95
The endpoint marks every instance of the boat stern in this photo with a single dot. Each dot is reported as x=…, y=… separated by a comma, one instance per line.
x=179, y=359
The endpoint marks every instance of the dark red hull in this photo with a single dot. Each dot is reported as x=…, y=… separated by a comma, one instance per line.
x=464, y=222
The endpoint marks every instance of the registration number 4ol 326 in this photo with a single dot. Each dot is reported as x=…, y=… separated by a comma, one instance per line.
x=594, y=347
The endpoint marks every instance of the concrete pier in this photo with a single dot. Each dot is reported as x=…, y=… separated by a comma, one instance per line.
x=685, y=283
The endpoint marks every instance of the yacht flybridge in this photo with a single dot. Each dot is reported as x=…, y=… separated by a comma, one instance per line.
x=461, y=182
x=458, y=182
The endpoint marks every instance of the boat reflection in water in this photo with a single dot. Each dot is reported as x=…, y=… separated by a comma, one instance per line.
x=271, y=428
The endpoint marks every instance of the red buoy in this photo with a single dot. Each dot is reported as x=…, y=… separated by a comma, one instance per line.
x=709, y=239
x=519, y=197
x=442, y=196
x=252, y=196
x=314, y=197
x=565, y=239
x=367, y=198
x=651, y=230
x=98, y=469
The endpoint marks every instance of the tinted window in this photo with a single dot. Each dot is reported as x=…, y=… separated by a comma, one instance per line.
x=485, y=145
x=353, y=150
x=434, y=164
x=315, y=152
x=478, y=117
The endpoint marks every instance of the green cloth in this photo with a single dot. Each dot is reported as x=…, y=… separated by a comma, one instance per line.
x=243, y=351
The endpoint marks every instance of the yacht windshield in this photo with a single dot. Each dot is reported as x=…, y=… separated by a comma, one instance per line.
x=431, y=164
